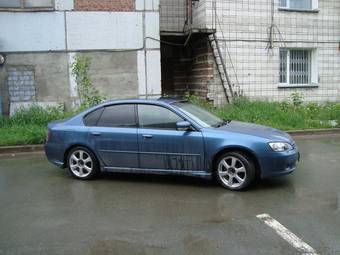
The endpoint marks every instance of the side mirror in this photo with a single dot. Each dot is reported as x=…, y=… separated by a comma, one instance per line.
x=183, y=126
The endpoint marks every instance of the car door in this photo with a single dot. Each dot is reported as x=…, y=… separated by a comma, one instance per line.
x=114, y=135
x=162, y=146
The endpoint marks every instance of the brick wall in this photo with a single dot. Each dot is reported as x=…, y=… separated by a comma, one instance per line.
x=21, y=84
x=192, y=70
x=104, y=5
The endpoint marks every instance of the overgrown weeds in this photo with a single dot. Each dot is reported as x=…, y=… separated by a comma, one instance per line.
x=290, y=114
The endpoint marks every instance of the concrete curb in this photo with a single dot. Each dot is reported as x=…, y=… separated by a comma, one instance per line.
x=40, y=147
x=21, y=149
x=325, y=131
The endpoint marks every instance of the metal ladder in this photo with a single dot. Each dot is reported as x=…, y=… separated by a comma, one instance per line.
x=221, y=67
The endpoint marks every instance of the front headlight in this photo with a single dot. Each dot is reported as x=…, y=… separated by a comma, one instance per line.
x=280, y=146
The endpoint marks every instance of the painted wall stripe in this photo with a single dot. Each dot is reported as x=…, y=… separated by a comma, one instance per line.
x=287, y=235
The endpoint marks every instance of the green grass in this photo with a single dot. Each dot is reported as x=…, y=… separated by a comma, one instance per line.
x=284, y=115
x=30, y=126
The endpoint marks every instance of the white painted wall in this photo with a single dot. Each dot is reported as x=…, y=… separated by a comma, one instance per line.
x=64, y=5
x=45, y=31
x=153, y=61
x=149, y=73
x=104, y=30
x=148, y=5
x=41, y=31
x=152, y=29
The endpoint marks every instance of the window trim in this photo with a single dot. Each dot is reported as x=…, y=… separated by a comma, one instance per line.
x=313, y=79
x=313, y=9
x=22, y=8
x=194, y=129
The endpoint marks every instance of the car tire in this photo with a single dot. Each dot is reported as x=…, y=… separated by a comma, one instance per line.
x=235, y=170
x=82, y=163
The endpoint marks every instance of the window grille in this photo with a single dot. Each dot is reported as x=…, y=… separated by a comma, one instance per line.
x=295, y=66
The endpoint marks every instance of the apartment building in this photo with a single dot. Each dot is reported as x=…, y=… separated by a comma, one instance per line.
x=263, y=49
x=39, y=39
x=270, y=48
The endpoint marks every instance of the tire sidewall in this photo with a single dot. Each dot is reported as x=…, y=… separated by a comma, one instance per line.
x=95, y=170
x=248, y=164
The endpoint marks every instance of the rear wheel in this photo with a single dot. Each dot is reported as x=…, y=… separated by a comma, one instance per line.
x=235, y=170
x=82, y=163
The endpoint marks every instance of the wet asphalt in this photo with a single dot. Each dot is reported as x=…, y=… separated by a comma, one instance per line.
x=44, y=211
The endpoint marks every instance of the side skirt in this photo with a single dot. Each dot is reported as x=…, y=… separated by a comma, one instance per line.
x=200, y=174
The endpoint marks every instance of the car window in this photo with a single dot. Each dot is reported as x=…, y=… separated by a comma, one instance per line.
x=91, y=119
x=118, y=116
x=152, y=116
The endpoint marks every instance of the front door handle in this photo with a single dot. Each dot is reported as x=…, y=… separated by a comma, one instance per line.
x=147, y=136
x=95, y=133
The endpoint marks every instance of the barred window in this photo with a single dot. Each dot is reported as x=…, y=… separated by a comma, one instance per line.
x=297, y=4
x=26, y=4
x=295, y=66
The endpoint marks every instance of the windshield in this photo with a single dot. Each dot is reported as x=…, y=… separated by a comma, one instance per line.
x=198, y=114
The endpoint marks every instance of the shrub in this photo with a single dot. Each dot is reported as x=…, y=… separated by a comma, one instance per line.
x=88, y=94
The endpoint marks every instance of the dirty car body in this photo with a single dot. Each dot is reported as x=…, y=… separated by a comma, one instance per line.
x=168, y=136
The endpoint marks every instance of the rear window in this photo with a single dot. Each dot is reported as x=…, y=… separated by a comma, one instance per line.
x=118, y=116
x=91, y=119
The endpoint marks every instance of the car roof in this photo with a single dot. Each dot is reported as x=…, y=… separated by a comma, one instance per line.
x=166, y=100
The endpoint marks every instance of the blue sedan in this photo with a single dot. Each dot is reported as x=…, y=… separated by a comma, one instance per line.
x=168, y=136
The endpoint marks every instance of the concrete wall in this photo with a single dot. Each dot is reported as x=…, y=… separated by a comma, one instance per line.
x=125, y=63
x=115, y=74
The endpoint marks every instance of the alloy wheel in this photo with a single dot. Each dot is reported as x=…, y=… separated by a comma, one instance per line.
x=81, y=163
x=232, y=172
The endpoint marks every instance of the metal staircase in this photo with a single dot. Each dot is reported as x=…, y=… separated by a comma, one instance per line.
x=221, y=68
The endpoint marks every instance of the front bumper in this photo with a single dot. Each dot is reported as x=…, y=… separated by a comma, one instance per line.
x=280, y=163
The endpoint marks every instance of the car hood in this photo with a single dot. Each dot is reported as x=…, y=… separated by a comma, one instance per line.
x=257, y=130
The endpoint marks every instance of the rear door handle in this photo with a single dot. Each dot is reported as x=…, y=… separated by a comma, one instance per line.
x=147, y=136
x=95, y=133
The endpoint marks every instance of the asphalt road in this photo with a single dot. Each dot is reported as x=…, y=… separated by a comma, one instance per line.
x=44, y=211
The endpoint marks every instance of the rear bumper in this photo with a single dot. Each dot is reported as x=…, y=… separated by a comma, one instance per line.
x=280, y=163
x=54, y=154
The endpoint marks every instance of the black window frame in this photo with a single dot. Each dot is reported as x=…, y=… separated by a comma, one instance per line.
x=87, y=114
x=167, y=108
x=112, y=105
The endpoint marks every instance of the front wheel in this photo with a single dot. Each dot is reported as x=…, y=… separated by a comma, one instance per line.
x=235, y=170
x=82, y=163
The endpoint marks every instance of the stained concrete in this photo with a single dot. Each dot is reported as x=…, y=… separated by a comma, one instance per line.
x=114, y=74
x=45, y=211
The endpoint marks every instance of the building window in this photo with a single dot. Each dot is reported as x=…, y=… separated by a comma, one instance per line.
x=26, y=4
x=298, y=67
x=298, y=4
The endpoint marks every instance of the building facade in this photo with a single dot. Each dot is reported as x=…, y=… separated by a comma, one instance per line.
x=149, y=48
x=271, y=48
x=40, y=38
